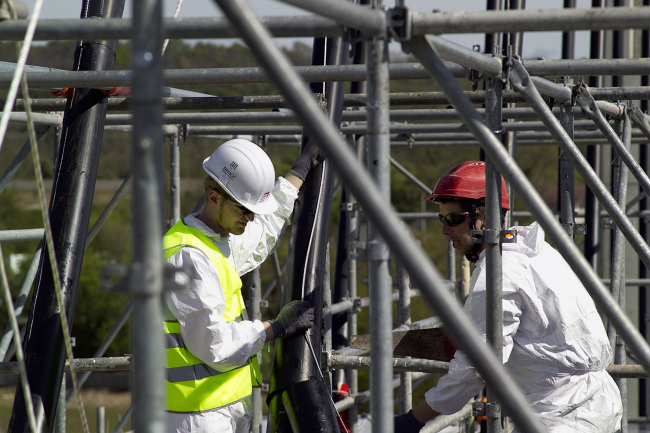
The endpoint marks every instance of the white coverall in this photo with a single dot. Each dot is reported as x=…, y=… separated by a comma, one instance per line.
x=554, y=343
x=199, y=310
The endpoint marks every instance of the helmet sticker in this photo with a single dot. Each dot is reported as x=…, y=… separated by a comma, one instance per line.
x=230, y=171
x=264, y=196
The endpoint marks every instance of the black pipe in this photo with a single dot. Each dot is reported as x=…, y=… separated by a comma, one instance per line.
x=492, y=39
x=592, y=208
x=340, y=337
x=569, y=38
x=70, y=204
x=618, y=48
x=299, y=395
x=566, y=181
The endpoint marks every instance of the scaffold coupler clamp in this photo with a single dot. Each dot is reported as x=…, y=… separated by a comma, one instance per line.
x=507, y=64
x=182, y=132
x=494, y=236
x=400, y=25
x=472, y=74
x=582, y=97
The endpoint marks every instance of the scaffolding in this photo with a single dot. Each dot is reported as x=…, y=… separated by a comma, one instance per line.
x=518, y=105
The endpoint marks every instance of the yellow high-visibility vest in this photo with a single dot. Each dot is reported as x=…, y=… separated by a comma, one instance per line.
x=193, y=386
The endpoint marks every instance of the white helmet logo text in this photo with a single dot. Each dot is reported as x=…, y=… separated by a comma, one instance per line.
x=230, y=171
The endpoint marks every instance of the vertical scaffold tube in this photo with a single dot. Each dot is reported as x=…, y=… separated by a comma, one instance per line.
x=146, y=288
x=379, y=277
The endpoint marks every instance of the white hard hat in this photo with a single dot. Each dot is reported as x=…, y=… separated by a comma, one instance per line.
x=246, y=172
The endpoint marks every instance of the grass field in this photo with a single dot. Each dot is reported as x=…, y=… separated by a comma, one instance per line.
x=115, y=405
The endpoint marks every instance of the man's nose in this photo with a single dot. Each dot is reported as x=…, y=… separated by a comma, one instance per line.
x=250, y=216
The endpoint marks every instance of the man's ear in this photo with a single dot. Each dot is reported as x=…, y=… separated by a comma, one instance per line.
x=213, y=196
x=480, y=214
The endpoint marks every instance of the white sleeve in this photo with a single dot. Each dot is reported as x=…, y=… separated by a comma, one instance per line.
x=463, y=382
x=261, y=236
x=199, y=309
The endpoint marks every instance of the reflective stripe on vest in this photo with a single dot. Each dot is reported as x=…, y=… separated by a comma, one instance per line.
x=193, y=386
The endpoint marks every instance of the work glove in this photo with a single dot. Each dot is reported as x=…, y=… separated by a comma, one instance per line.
x=294, y=318
x=406, y=423
x=309, y=158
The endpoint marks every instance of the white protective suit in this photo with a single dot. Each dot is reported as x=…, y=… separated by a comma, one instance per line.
x=554, y=343
x=199, y=310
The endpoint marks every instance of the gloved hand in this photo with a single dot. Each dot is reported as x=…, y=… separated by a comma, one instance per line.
x=294, y=318
x=406, y=423
x=309, y=158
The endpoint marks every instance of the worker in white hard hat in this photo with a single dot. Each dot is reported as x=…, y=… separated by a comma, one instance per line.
x=211, y=346
x=555, y=346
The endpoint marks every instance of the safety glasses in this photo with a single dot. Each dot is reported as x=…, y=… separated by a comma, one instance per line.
x=241, y=210
x=453, y=219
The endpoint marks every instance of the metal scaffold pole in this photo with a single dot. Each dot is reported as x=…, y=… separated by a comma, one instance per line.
x=379, y=277
x=145, y=282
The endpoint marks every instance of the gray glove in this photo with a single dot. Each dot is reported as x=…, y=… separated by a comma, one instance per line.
x=308, y=159
x=294, y=318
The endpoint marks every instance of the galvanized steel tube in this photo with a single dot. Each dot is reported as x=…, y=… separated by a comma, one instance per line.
x=379, y=277
x=149, y=392
x=530, y=20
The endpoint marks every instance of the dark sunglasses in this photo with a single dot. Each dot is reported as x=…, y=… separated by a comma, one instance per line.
x=241, y=210
x=453, y=219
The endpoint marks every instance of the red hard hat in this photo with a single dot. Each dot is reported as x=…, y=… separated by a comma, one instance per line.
x=466, y=180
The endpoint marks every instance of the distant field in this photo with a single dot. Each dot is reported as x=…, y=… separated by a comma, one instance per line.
x=115, y=404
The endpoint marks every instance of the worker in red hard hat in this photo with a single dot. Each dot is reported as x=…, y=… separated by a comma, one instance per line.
x=460, y=192
x=555, y=346
x=212, y=347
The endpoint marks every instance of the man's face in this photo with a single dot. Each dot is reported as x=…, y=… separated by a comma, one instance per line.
x=232, y=220
x=459, y=235
x=229, y=216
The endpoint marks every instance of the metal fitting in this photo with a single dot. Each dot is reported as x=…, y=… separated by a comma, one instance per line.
x=399, y=23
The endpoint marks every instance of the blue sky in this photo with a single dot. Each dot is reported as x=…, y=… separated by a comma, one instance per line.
x=541, y=44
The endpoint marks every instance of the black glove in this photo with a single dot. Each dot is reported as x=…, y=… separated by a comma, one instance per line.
x=308, y=159
x=406, y=423
x=294, y=318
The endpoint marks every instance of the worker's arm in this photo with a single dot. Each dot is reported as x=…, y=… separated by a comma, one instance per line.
x=423, y=412
x=415, y=419
x=293, y=179
x=309, y=158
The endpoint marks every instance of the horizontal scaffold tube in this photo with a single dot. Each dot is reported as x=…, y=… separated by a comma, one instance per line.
x=429, y=366
x=356, y=100
x=52, y=79
x=118, y=363
x=616, y=18
x=173, y=28
x=314, y=26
